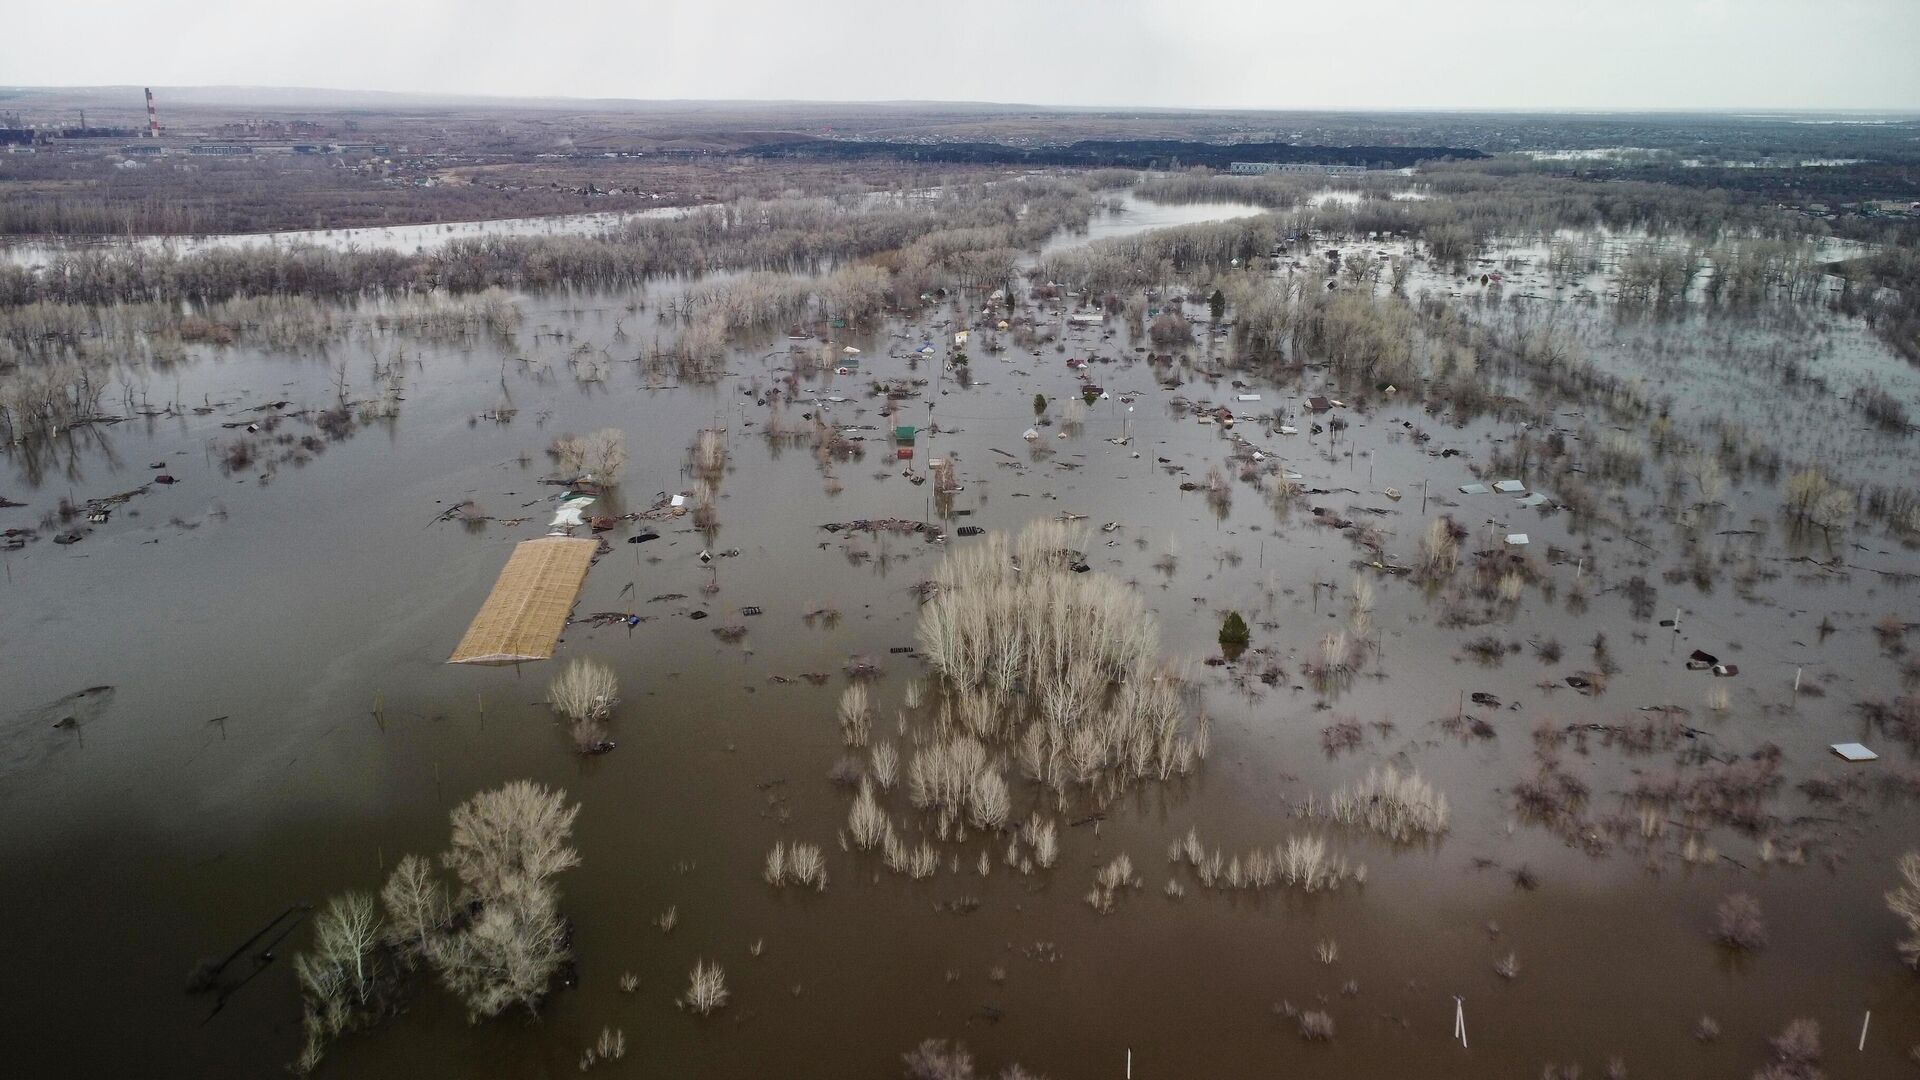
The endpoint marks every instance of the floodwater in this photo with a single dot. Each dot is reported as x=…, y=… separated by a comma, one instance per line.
x=281, y=726
x=406, y=238
x=1137, y=215
x=1134, y=215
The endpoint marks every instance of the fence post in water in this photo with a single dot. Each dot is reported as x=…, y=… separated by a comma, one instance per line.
x=1864, y=1021
x=1460, y=1020
x=1129, y=1063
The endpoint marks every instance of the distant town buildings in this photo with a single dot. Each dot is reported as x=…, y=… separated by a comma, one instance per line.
x=1260, y=168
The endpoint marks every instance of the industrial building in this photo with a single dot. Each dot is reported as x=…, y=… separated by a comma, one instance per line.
x=1261, y=168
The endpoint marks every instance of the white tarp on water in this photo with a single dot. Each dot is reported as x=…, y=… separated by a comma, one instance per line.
x=571, y=512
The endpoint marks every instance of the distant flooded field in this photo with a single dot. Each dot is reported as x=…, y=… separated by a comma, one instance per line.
x=394, y=237
x=1556, y=598
x=1129, y=214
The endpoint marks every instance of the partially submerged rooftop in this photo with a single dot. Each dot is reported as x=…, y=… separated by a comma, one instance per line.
x=524, y=614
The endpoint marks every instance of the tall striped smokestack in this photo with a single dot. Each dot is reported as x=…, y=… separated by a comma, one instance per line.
x=153, y=118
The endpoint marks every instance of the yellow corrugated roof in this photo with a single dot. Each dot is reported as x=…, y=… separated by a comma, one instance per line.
x=524, y=614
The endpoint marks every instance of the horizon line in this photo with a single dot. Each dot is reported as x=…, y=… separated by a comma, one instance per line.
x=1909, y=112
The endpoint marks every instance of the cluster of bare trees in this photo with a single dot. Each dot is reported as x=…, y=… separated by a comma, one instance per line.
x=601, y=456
x=446, y=318
x=1758, y=268
x=806, y=234
x=1299, y=862
x=1146, y=260
x=1814, y=498
x=154, y=331
x=1658, y=273
x=57, y=360
x=1061, y=665
x=40, y=402
x=1884, y=288
x=1368, y=339
x=756, y=301
x=496, y=944
x=1399, y=806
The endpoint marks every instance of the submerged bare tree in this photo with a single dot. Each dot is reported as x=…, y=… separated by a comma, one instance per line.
x=1905, y=902
x=508, y=953
x=1059, y=664
x=505, y=838
x=1796, y=1053
x=600, y=456
x=936, y=1059
x=1738, y=924
x=706, y=988
x=1399, y=806
x=1814, y=498
x=584, y=693
x=606, y=454
x=507, y=846
x=417, y=908
x=498, y=946
x=346, y=978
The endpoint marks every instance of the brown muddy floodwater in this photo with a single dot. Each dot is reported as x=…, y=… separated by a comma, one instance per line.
x=281, y=724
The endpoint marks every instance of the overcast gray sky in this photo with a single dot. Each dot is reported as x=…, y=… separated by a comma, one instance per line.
x=1803, y=54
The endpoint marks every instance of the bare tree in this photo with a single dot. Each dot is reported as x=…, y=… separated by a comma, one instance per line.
x=344, y=977
x=585, y=693
x=706, y=988
x=507, y=845
x=508, y=954
x=1905, y=902
x=417, y=908
x=605, y=454
x=515, y=834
